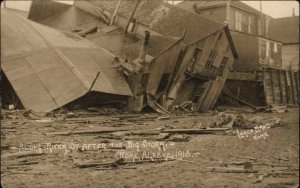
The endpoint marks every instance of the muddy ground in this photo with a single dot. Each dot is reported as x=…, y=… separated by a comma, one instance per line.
x=60, y=152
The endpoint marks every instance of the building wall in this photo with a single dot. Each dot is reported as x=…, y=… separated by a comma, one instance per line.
x=41, y=9
x=270, y=53
x=290, y=56
x=247, y=47
x=218, y=13
x=200, y=87
x=249, y=23
x=281, y=87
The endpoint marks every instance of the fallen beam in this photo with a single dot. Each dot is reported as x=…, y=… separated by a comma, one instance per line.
x=89, y=131
x=21, y=154
x=231, y=170
x=195, y=131
x=241, y=101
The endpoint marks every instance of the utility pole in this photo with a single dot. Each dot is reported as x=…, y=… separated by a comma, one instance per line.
x=261, y=18
x=131, y=16
x=113, y=17
x=227, y=21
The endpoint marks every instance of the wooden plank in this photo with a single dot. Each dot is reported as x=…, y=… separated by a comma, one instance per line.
x=241, y=101
x=292, y=86
x=280, y=86
x=194, y=131
x=231, y=170
x=287, y=88
x=244, y=76
x=272, y=85
x=178, y=64
x=297, y=83
x=131, y=16
x=113, y=17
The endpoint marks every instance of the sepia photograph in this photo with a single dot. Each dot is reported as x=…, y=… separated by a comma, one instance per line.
x=149, y=94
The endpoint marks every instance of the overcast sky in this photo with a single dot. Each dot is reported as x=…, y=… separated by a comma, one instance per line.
x=275, y=9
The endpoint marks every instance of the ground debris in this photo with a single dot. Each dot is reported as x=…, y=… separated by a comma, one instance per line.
x=22, y=154
x=274, y=109
x=231, y=170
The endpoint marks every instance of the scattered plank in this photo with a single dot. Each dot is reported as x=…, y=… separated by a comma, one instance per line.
x=88, y=131
x=195, y=131
x=22, y=154
x=231, y=170
x=87, y=164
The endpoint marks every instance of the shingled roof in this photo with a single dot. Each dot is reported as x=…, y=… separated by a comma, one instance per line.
x=166, y=19
x=285, y=29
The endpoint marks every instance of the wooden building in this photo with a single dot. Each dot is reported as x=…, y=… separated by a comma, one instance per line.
x=286, y=30
x=184, y=61
x=258, y=76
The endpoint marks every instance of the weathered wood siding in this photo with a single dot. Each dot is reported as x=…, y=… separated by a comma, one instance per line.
x=198, y=86
x=247, y=47
x=281, y=87
x=290, y=56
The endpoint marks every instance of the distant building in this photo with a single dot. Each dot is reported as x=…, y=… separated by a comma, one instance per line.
x=259, y=75
x=286, y=30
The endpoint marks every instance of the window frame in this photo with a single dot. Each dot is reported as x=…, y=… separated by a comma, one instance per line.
x=223, y=66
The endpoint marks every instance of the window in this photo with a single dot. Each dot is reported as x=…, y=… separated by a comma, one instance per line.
x=238, y=21
x=250, y=22
x=267, y=49
x=211, y=59
x=222, y=66
x=275, y=50
x=195, y=58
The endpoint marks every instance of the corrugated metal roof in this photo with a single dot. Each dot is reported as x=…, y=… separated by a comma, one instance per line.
x=49, y=69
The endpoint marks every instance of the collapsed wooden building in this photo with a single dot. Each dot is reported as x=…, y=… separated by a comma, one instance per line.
x=166, y=59
x=259, y=75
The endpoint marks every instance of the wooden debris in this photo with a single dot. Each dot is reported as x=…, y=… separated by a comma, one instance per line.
x=245, y=157
x=87, y=164
x=231, y=170
x=240, y=100
x=260, y=178
x=22, y=154
x=88, y=131
x=195, y=131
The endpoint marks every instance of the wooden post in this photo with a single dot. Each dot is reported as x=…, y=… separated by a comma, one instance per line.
x=297, y=83
x=131, y=16
x=280, y=86
x=238, y=92
x=272, y=85
x=287, y=87
x=227, y=21
x=179, y=61
x=292, y=86
x=113, y=17
x=138, y=80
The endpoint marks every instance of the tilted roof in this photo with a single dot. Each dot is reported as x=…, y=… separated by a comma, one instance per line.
x=210, y=4
x=48, y=69
x=165, y=18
